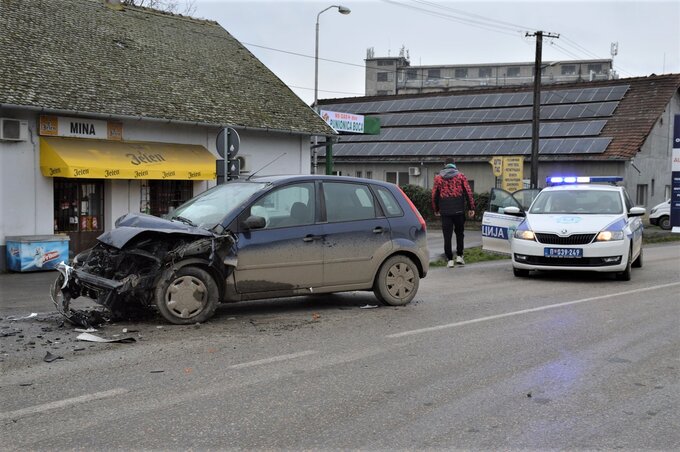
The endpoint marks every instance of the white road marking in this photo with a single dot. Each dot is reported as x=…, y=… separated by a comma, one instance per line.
x=526, y=311
x=273, y=359
x=61, y=403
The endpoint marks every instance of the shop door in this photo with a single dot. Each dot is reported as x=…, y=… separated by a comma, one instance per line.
x=79, y=212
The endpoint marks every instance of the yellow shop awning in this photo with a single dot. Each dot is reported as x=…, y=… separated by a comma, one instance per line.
x=101, y=159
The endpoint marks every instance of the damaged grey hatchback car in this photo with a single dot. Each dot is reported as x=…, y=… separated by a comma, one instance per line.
x=268, y=237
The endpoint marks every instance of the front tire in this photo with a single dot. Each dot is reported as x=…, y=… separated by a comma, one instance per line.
x=189, y=295
x=397, y=281
x=637, y=263
x=520, y=272
x=665, y=222
x=625, y=274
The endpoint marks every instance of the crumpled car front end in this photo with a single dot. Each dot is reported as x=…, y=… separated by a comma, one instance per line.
x=122, y=271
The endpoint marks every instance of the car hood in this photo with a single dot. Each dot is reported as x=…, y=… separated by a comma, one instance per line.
x=572, y=224
x=133, y=224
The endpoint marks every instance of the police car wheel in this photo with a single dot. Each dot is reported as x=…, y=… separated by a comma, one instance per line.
x=637, y=263
x=625, y=274
x=520, y=272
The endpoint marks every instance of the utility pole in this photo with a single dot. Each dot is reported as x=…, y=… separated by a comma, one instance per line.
x=536, y=119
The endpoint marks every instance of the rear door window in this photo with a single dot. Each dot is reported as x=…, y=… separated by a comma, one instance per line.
x=389, y=202
x=348, y=202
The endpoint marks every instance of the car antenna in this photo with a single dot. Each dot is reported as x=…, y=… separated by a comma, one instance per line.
x=248, y=178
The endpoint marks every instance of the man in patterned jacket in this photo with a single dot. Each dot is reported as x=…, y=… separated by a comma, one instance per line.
x=450, y=194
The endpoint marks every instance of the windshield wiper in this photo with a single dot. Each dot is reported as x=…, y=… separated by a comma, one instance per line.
x=184, y=220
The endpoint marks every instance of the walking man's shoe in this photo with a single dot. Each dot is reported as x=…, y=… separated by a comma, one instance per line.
x=459, y=260
x=450, y=264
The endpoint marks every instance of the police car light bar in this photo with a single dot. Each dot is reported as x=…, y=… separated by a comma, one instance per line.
x=560, y=180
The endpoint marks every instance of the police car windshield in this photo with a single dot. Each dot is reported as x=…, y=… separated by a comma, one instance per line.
x=209, y=208
x=578, y=202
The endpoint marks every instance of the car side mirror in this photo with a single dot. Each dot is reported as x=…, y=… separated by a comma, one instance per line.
x=514, y=211
x=636, y=211
x=254, y=222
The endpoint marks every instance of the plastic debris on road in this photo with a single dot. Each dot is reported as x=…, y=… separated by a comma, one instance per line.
x=92, y=338
x=49, y=357
x=369, y=306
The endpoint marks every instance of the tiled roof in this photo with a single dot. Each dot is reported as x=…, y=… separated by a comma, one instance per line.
x=81, y=55
x=600, y=120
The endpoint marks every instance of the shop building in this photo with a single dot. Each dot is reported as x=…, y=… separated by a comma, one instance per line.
x=106, y=110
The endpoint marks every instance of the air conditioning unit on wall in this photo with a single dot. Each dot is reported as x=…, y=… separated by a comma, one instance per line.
x=13, y=129
x=413, y=171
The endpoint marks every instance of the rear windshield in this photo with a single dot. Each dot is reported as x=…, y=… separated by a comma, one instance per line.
x=209, y=208
x=580, y=202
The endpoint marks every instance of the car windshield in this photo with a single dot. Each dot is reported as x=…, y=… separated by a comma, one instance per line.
x=604, y=202
x=209, y=208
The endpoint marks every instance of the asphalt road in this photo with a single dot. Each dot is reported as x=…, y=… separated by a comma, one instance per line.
x=481, y=360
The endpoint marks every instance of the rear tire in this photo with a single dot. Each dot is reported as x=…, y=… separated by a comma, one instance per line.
x=625, y=274
x=397, y=281
x=187, y=296
x=520, y=272
x=665, y=222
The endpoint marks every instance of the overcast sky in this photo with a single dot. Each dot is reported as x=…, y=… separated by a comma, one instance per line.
x=438, y=32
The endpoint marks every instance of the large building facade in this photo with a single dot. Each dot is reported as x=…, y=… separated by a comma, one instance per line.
x=106, y=110
x=395, y=75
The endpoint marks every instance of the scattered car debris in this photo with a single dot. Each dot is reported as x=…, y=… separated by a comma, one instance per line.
x=156, y=371
x=30, y=316
x=49, y=357
x=369, y=306
x=92, y=338
x=89, y=330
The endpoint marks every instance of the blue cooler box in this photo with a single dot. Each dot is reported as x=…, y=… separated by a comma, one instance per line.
x=36, y=252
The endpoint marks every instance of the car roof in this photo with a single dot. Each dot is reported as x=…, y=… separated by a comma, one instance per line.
x=284, y=178
x=598, y=187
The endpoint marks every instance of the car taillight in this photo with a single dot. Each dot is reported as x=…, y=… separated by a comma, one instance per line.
x=414, y=209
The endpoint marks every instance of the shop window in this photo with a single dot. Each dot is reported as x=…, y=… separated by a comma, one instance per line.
x=78, y=205
x=160, y=197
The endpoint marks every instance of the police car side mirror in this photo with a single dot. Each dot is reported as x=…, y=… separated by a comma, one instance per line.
x=636, y=211
x=515, y=211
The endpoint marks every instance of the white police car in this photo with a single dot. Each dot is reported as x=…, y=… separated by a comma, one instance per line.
x=573, y=224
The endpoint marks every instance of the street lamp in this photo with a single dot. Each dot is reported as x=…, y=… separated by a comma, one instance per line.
x=342, y=10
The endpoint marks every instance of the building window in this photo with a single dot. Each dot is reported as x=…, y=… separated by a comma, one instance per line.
x=382, y=76
x=398, y=178
x=369, y=174
x=385, y=62
x=568, y=69
x=411, y=74
x=433, y=74
x=461, y=72
x=596, y=68
x=641, y=198
x=358, y=173
x=485, y=72
x=161, y=197
x=652, y=192
x=667, y=192
x=513, y=72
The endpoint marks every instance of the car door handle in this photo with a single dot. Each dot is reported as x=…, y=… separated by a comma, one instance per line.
x=379, y=230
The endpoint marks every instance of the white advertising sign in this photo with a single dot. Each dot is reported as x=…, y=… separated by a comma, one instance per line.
x=343, y=122
x=63, y=126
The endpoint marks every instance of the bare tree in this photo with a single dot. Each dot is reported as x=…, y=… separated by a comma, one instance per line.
x=184, y=7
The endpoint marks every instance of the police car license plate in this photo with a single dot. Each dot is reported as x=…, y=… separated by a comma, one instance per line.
x=562, y=252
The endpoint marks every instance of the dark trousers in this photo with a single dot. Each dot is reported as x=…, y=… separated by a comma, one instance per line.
x=449, y=224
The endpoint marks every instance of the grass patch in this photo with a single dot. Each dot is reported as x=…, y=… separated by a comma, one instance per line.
x=660, y=238
x=472, y=255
